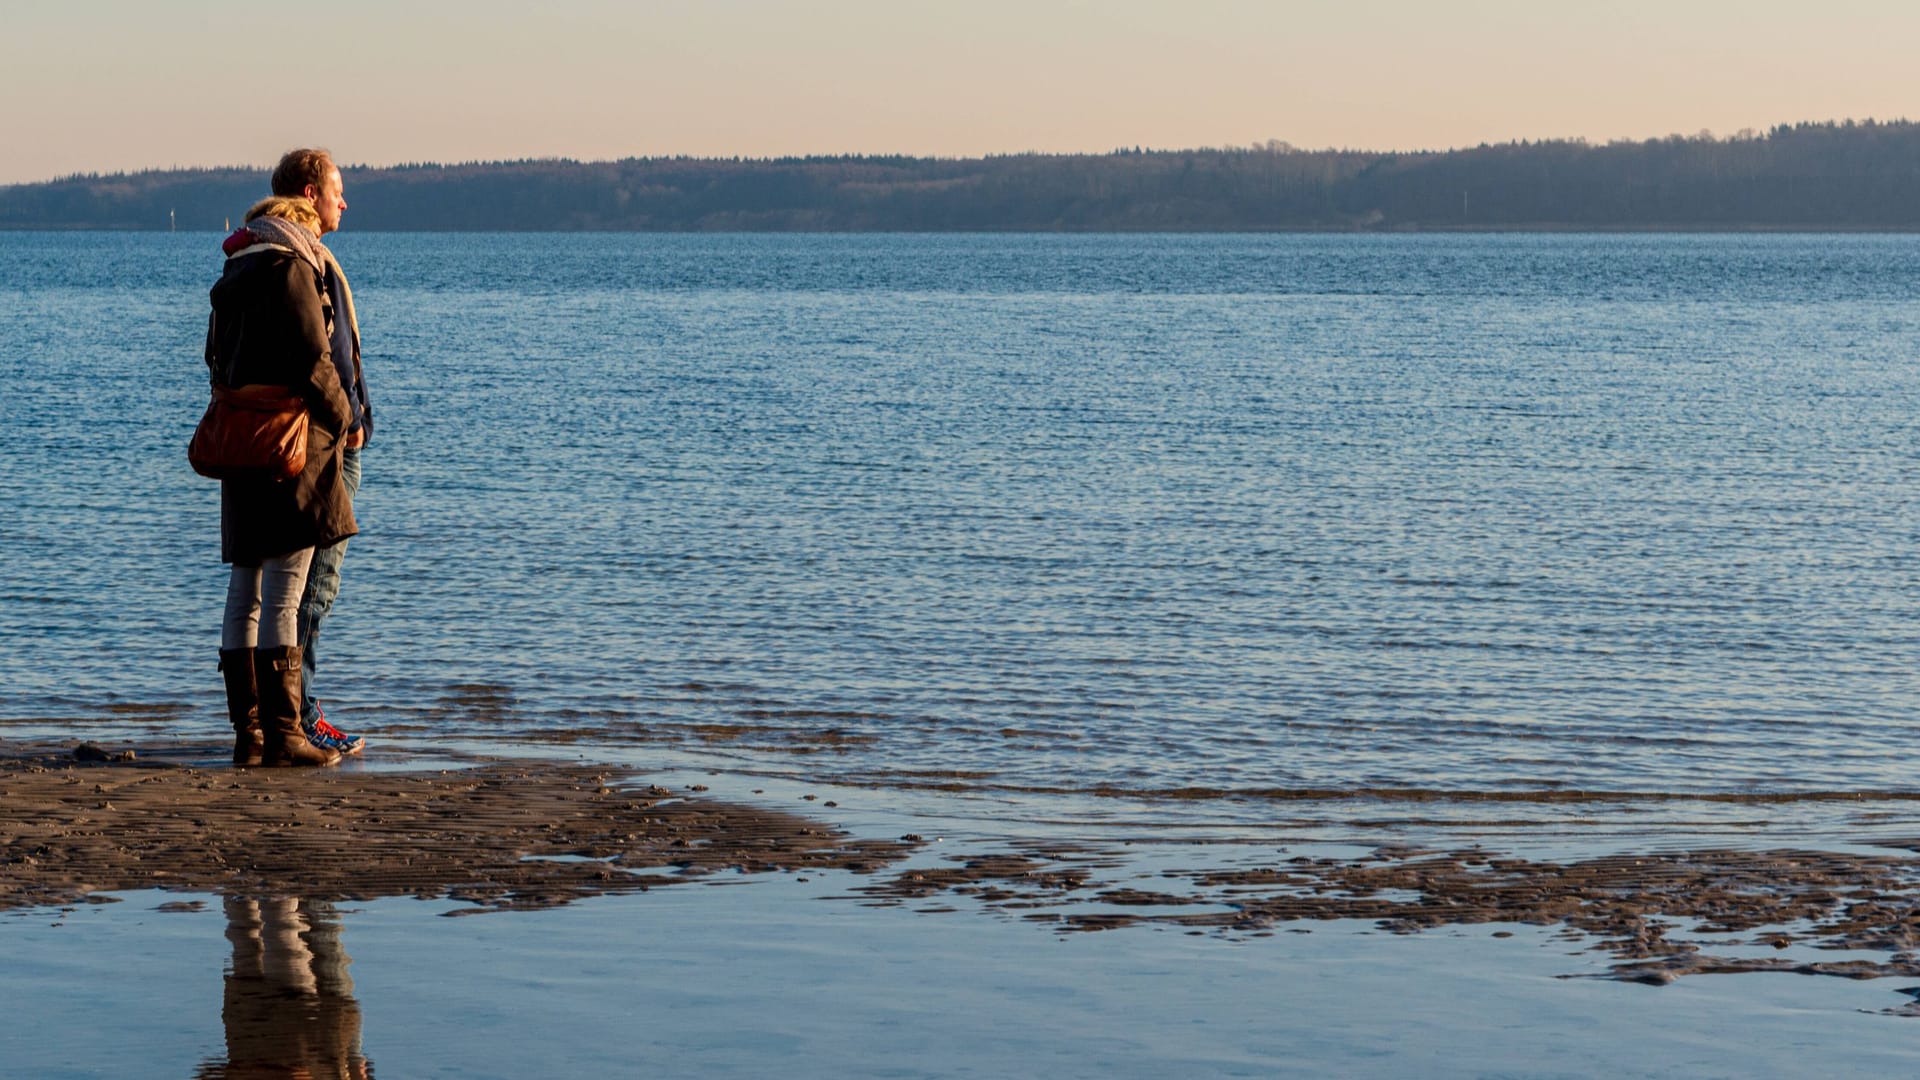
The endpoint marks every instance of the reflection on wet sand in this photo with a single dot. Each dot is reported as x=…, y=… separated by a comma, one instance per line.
x=289, y=1008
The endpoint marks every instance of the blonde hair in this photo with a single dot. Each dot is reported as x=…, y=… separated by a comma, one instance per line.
x=299, y=211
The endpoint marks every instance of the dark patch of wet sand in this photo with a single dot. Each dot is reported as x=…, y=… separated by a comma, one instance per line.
x=500, y=835
x=536, y=834
x=1659, y=915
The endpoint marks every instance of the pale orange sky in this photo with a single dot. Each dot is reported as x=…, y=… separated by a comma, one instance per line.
x=106, y=85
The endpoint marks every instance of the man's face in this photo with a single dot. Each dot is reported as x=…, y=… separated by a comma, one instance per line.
x=329, y=199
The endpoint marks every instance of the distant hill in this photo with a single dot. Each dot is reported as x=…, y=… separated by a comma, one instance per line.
x=1844, y=175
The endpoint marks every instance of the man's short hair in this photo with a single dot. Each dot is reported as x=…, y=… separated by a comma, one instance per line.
x=299, y=168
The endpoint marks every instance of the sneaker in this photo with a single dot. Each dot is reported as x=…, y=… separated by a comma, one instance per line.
x=327, y=737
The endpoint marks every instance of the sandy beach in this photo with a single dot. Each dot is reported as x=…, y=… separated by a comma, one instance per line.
x=76, y=821
x=244, y=895
x=85, y=820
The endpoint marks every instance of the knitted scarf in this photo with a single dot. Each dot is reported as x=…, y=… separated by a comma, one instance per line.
x=281, y=233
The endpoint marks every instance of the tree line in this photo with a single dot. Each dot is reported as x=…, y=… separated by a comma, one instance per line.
x=1839, y=175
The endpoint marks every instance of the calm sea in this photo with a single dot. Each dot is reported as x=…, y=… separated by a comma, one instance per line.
x=1102, y=513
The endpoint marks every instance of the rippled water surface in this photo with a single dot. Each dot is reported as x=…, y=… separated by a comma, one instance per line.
x=1482, y=513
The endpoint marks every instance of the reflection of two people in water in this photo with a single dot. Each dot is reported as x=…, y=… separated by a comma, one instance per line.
x=289, y=1007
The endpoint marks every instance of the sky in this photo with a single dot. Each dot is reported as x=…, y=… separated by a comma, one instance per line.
x=113, y=85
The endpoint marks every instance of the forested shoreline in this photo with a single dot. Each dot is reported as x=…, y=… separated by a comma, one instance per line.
x=1812, y=176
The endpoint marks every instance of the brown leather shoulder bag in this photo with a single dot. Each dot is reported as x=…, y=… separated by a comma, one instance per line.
x=253, y=432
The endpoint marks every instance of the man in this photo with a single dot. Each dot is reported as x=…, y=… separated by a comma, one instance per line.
x=310, y=174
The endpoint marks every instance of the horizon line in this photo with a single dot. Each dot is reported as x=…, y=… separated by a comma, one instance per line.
x=1270, y=145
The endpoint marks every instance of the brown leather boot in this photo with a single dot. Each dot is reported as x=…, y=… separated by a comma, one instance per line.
x=243, y=705
x=276, y=675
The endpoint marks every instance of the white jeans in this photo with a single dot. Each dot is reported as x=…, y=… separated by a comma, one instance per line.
x=263, y=603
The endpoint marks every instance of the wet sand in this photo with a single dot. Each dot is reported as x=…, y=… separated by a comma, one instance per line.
x=1659, y=916
x=496, y=835
x=80, y=821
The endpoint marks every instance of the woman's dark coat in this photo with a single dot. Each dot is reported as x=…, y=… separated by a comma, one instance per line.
x=271, y=325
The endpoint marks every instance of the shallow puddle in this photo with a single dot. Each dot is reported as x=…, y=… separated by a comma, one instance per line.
x=767, y=980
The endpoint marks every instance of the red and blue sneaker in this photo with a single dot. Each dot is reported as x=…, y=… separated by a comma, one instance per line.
x=327, y=737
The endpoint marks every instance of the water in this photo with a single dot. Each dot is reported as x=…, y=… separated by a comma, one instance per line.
x=1107, y=514
x=764, y=981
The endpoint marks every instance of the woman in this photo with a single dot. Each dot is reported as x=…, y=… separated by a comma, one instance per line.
x=271, y=325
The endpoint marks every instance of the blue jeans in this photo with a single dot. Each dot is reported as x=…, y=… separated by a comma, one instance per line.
x=323, y=585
